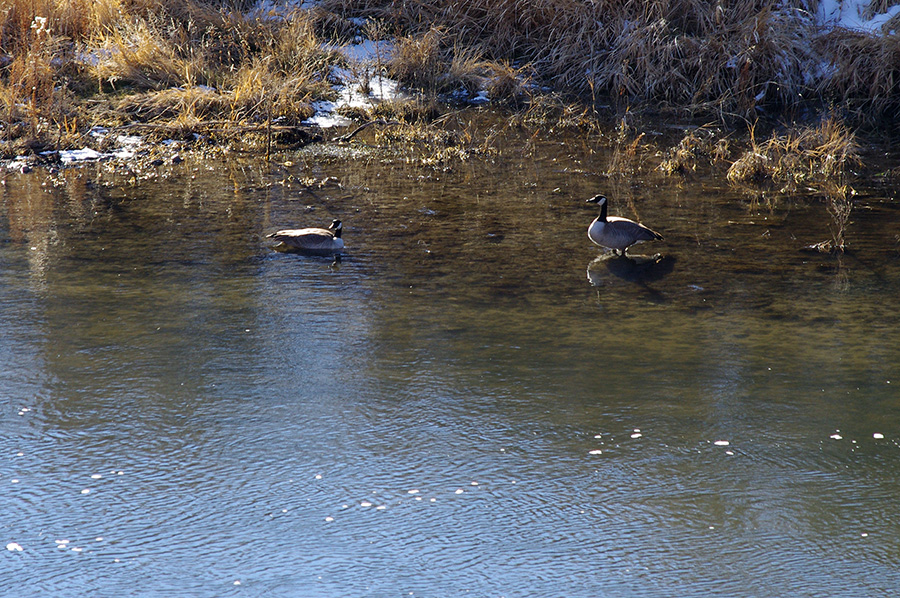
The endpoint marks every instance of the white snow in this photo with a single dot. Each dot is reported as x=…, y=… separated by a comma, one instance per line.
x=79, y=155
x=847, y=14
x=325, y=116
x=127, y=147
x=365, y=57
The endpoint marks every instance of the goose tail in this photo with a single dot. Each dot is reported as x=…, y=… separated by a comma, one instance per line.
x=642, y=233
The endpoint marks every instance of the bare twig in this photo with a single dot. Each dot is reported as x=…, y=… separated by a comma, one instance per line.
x=380, y=121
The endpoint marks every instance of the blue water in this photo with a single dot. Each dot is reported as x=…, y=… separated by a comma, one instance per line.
x=469, y=403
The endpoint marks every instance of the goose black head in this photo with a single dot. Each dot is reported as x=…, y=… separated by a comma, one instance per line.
x=336, y=226
x=601, y=201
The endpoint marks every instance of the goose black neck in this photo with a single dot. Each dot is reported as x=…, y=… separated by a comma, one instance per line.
x=337, y=232
x=603, y=211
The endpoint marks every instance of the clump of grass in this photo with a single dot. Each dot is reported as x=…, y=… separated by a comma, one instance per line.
x=418, y=61
x=180, y=102
x=259, y=93
x=428, y=145
x=142, y=56
x=416, y=134
x=628, y=149
x=698, y=146
x=506, y=84
x=553, y=111
x=280, y=67
x=802, y=155
x=412, y=111
x=432, y=63
x=468, y=72
x=839, y=203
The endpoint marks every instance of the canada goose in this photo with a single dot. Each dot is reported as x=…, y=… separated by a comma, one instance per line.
x=311, y=239
x=617, y=233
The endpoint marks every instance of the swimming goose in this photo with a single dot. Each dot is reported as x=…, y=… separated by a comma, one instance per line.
x=617, y=233
x=311, y=239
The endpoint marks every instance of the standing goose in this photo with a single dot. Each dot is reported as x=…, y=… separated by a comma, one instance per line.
x=617, y=233
x=321, y=240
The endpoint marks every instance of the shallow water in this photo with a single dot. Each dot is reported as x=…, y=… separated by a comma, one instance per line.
x=474, y=401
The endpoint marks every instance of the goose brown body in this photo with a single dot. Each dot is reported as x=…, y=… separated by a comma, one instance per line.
x=617, y=233
x=311, y=239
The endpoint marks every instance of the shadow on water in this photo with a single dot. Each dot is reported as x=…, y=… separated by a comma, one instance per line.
x=336, y=257
x=641, y=270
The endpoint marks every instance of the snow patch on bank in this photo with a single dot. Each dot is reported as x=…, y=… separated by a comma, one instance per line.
x=127, y=147
x=848, y=14
x=353, y=95
x=360, y=86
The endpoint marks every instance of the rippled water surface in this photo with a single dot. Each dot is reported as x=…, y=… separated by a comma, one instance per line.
x=474, y=401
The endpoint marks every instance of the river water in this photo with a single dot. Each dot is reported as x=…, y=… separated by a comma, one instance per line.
x=474, y=401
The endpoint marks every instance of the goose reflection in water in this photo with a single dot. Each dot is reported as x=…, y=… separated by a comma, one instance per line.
x=640, y=269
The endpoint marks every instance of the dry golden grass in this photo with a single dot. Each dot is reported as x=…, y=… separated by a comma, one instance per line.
x=681, y=53
x=733, y=61
x=142, y=56
x=418, y=61
x=701, y=145
x=727, y=59
x=861, y=73
x=167, y=104
x=628, y=150
x=552, y=111
x=411, y=111
x=802, y=155
x=839, y=204
x=72, y=20
x=178, y=64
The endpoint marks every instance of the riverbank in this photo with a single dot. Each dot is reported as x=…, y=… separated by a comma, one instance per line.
x=152, y=81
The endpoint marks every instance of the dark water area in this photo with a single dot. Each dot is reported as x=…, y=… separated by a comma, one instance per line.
x=474, y=401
